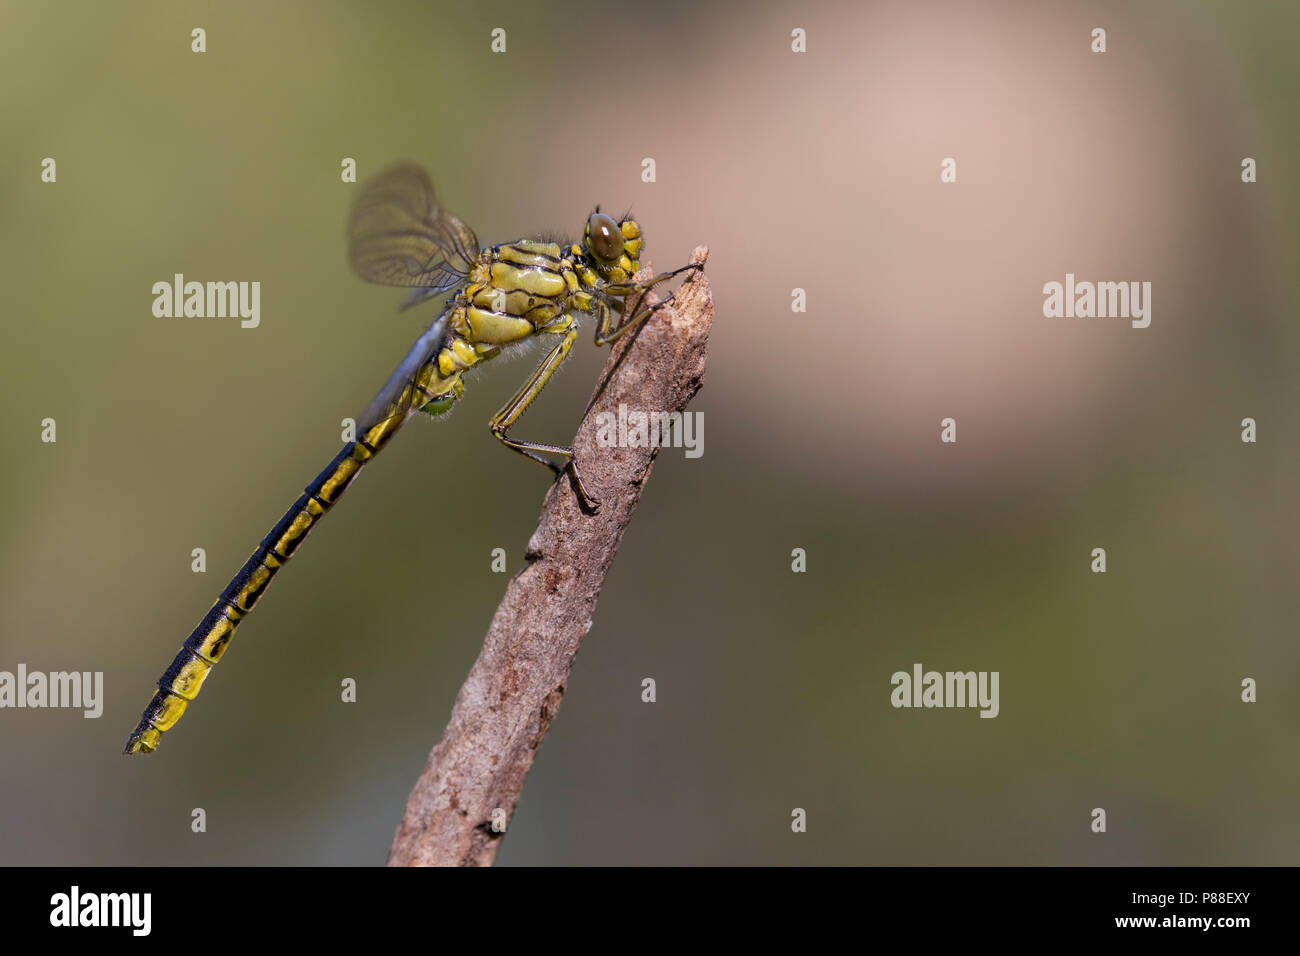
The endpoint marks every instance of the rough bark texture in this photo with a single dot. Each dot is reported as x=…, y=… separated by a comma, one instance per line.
x=513, y=691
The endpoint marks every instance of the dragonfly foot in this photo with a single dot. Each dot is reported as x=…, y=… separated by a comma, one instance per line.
x=588, y=503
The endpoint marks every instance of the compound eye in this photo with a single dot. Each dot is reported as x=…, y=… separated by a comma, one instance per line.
x=604, y=238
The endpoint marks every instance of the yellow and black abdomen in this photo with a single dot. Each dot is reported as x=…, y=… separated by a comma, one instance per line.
x=181, y=682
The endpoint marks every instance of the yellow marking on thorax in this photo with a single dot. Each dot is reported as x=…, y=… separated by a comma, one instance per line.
x=541, y=255
x=496, y=328
x=537, y=309
x=543, y=282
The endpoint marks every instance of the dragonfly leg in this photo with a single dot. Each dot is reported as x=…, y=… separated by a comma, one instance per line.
x=605, y=330
x=622, y=289
x=528, y=392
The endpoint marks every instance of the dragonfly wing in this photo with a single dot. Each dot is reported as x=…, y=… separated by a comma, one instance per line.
x=390, y=398
x=419, y=295
x=399, y=235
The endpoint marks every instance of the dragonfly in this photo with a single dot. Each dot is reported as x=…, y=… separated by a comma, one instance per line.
x=500, y=296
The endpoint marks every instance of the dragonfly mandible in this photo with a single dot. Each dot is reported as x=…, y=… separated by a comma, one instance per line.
x=399, y=235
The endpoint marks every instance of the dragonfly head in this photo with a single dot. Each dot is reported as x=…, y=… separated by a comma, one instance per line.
x=614, y=246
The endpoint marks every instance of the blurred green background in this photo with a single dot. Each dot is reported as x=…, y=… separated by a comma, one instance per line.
x=817, y=171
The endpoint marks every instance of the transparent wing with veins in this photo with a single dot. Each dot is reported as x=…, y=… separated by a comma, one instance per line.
x=399, y=235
